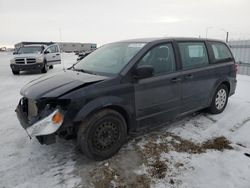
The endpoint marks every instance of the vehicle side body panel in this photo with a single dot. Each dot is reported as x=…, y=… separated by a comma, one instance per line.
x=105, y=94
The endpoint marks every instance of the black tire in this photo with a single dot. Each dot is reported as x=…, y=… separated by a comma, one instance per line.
x=215, y=107
x=102, y=135
x=45, y=67
x=51, y=67
x=15, y=72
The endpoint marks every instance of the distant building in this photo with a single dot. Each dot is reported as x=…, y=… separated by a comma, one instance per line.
x=241, y=52
x=64, y=46
x=21, y=44
x=76, y=47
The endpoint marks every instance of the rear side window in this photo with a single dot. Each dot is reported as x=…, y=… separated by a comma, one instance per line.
x=193, y=54
x=221, y=52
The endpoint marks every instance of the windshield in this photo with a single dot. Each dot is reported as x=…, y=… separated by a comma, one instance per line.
x=110, y=58
x=30, y=50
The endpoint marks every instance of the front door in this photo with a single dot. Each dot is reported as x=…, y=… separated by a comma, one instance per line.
x=53, y=55
x=157, y=98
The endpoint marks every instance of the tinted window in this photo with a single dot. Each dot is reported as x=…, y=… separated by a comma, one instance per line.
x=56, y=49
x=193, y=54
x=161, y=58
x=52, y=49
x=49, y=49
x=221, y=51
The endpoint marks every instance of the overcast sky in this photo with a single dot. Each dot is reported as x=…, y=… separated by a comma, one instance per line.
x=103, y=21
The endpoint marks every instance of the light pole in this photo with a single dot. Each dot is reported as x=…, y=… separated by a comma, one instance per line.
x=210, y=27
x=227, y=37
x=227, y=34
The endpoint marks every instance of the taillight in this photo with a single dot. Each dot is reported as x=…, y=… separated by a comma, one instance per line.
x=235, y=69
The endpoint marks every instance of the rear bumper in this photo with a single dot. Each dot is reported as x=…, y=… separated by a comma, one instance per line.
x=42, y=128
x=21, y=67
x=233, y=87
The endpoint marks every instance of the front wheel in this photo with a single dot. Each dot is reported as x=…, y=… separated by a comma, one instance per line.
x=15, y=72
x=220, y=99
x=102, y=135
x=45, y=68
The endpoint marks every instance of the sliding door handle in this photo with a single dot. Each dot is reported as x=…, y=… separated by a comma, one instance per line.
x=176, y=80
x=189, y=76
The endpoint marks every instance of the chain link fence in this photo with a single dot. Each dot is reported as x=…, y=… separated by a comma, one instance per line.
x=241, y=52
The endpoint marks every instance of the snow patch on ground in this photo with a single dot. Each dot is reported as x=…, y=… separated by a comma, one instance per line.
x=165, y=163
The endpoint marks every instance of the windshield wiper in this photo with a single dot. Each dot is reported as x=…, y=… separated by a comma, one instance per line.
x=82, y=70
x=72, y=67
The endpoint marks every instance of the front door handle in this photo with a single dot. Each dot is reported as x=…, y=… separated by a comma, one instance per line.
x=57, y=54
x=176, y=80
x=189, y=76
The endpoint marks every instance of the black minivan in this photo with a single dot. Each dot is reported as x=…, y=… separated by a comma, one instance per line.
x=126, y=87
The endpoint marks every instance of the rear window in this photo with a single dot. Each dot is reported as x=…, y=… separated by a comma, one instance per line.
x=193, y=54
x=221, y=52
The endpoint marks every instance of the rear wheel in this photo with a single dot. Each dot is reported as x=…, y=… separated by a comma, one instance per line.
x=51, y=67
x=102, y=135
x=220, y=99
x=15, y=72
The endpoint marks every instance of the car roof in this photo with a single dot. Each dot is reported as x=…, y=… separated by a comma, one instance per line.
x=159, y=39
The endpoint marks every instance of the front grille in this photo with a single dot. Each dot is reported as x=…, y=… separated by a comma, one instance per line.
x=20, y=61
x=31, y=60
x=25, y=60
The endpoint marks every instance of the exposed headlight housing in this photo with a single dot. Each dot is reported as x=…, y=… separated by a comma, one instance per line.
x=47, y=125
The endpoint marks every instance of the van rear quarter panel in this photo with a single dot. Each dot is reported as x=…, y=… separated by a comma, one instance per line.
x=223, y=72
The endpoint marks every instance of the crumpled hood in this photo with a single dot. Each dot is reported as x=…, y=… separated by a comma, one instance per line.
x=57, y=84
x=34, y=55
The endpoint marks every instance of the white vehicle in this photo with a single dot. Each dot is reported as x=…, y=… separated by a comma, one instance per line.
x=35, y=57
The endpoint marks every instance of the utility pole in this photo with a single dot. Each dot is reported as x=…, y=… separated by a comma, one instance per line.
x=227, y=37
x=227, y=34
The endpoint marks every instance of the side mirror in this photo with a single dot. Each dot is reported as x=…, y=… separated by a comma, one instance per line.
x=46, y=52
x=143, y=71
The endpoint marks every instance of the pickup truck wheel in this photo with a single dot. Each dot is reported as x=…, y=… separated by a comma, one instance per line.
x=102, y=135
x=220, y=99
x=45, y=67
x=15, y=72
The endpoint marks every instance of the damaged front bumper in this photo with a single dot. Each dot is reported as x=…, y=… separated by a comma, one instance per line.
x=43, y=128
